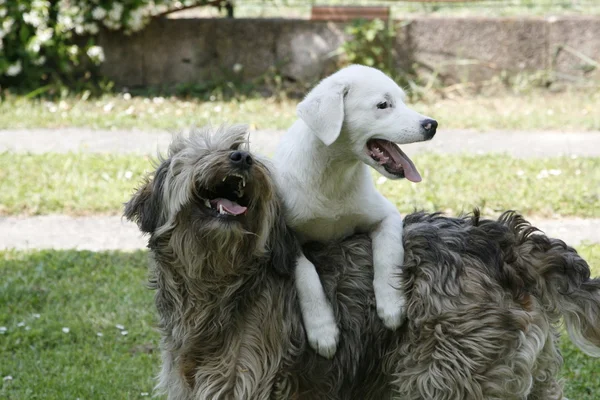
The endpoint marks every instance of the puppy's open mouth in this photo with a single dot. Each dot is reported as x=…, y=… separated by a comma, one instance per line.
x=389, y=155
x=228, y=198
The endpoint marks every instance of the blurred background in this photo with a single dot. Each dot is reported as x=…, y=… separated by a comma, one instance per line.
x=91, y=91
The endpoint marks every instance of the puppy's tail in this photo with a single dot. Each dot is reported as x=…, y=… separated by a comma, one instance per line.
x=558, y=276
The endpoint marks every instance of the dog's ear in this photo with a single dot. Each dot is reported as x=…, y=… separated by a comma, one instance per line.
x=323, y=111
x=284, y=247
x=144, y=208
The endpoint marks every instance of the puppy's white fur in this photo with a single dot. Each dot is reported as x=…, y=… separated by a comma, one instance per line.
x=322, y=168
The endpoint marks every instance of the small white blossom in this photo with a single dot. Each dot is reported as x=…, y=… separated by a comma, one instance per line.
x=381, y=180
x=21, y=324
x=119, y=327
x=66, y=330
x=92, y=28
x=116, y=12
x=126, y=96
x=2, y=12
x=73, y=50
x=124, y=333
x=99, y=13
x=7, y=378
x=96, y=53
x=36, y=315
x=40, y=61
x=99, y=334
x=32, y=18
x=3, y=329
x=44, y=35
x=144, y=394
x=237, y=67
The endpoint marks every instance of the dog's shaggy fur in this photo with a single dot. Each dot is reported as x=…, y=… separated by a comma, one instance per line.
x=484, y=298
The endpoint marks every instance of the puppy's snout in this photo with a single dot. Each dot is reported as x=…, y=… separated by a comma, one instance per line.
x=430, y=126
x=241, y=159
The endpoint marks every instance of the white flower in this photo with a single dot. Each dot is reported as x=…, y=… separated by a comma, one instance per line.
x=126, y=96
x=66, y=330
x=124, y=333
x=119, y=327
x=36, y=315
x=73, y=50
x=237, y=67
x=44, y=35
x=116, y=12
x=32, y=18
x=98, y=13
x=91, y=28
x=14, y=69
x=33, y=46
x=79, y=29
x=40, y=61
x=99, y=334
x=2, y=12
x=7, y=378
x=7, y=24
x=3, y=329
x=96, y=53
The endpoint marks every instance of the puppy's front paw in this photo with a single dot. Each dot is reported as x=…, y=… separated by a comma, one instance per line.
x=323, y=337
x=390, y=307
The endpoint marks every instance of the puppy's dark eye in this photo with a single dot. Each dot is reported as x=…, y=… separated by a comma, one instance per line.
x=383, y=105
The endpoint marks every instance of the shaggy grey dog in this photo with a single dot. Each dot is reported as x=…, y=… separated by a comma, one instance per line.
x=484, y=297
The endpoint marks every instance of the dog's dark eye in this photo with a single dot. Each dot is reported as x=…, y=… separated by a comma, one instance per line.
x=383, y=105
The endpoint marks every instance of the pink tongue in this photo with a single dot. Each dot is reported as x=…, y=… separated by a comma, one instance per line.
x=410, y=171
x=230, y=206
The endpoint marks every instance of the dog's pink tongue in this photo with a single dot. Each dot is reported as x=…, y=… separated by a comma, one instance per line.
x=231, y=207
x=410, y=171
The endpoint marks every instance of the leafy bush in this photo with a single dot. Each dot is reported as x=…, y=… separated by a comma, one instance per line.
x=50, y=43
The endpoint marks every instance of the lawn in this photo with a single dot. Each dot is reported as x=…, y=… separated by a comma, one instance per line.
x=81, y=325
x=83, y=183
x=574, y=109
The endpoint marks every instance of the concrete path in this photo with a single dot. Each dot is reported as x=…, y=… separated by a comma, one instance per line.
x=114, y=233
x=518, y=144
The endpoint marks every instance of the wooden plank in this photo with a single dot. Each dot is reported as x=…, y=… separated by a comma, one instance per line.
x=347, y=13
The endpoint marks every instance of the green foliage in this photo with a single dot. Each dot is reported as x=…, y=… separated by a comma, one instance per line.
x=371, y=44
x=51, y=44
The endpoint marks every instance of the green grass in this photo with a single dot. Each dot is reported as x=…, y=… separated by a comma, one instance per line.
x=80, y=184
x=88, y=293
x=41, y=293
x=574, y=109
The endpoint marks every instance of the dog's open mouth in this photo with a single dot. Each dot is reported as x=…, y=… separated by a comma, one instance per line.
x=228, y=198
x=389, y=155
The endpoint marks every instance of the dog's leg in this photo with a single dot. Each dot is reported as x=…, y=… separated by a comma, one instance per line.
x=317, y=313
x=388, y=257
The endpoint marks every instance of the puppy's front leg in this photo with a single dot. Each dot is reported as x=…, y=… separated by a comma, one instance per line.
x=388, y=257
x=317, y=313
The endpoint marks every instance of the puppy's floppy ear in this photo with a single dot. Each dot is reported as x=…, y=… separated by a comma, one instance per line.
x=323, y=111
x=144, y=208
x=284, y=247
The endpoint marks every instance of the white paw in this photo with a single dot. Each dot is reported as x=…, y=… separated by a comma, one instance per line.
x=323, y=338
x=390, y=307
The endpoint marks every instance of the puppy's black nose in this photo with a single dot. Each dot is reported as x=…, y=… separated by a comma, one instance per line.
x=430, y=126
x=241, y=159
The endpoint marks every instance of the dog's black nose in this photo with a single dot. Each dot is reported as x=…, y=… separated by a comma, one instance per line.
x=241, y=159
x=430, y=126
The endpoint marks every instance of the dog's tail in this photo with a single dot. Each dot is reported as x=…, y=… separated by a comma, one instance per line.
x=558, y=277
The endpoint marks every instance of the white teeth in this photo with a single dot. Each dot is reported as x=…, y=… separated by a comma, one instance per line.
x=224, y=178
x=243, y=182
x=207, y=203
x=221, y=209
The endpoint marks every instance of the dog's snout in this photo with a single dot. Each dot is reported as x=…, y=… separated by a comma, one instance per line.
x=241, y=159
x=430, y=126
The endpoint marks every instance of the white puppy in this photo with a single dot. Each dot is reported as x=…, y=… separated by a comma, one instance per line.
x=348, y=122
